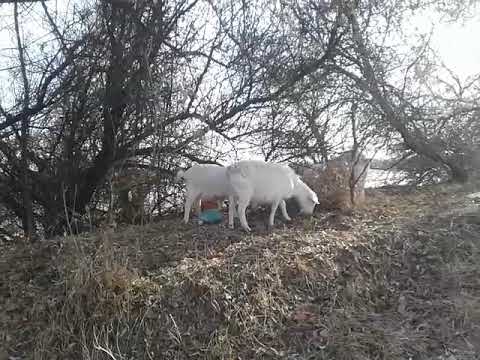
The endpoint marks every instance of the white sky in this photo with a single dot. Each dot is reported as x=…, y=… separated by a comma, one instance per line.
x=459, y=47
x=457, y=43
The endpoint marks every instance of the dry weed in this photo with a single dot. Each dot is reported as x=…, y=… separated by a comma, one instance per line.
x=395, y=280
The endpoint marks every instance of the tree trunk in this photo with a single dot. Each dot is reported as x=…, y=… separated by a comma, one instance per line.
x=353, y=181
x=113, y=110
x=28, y=221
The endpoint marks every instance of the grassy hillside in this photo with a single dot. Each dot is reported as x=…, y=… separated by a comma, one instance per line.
x=397, y=279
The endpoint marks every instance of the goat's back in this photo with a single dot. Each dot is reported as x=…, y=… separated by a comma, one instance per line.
x=265, y=182
x=208, y=179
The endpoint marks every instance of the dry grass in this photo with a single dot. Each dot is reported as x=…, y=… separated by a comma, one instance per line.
x=397, y=279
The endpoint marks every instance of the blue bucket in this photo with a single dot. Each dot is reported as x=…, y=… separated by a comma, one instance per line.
x=211, y=216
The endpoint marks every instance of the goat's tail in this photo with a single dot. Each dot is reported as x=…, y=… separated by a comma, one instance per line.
x=180, y=176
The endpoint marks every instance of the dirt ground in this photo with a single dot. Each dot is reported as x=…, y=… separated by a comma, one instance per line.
x=398, y=278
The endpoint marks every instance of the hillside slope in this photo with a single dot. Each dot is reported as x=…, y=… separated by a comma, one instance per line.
x=397, y=279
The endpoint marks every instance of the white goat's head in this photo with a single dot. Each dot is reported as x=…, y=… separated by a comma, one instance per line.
x=306, y=197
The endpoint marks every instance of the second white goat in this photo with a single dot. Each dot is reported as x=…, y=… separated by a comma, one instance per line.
x=203, y=181
x=267, y=183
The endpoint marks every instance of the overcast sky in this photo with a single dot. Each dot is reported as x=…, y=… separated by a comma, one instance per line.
x=457, y=43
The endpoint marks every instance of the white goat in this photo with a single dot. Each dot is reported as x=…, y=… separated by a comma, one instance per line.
x=203, y=181
x=267, y=183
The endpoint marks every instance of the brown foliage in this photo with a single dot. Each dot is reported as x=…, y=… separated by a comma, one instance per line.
x=333, y=183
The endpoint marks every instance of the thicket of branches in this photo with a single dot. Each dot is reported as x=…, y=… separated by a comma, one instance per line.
x=119, y=86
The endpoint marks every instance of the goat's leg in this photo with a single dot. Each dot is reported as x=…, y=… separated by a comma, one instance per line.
x=235, y=208
x=242, y=206
x=283, y=208
x=272, y=212
x=231, y=211
x=189, y=200
x=199, y=207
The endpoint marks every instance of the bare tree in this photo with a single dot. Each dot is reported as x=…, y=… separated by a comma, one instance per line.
x=153, y=85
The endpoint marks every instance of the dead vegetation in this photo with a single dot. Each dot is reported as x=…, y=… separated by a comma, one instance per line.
x=340, y=183
x=397, y=279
